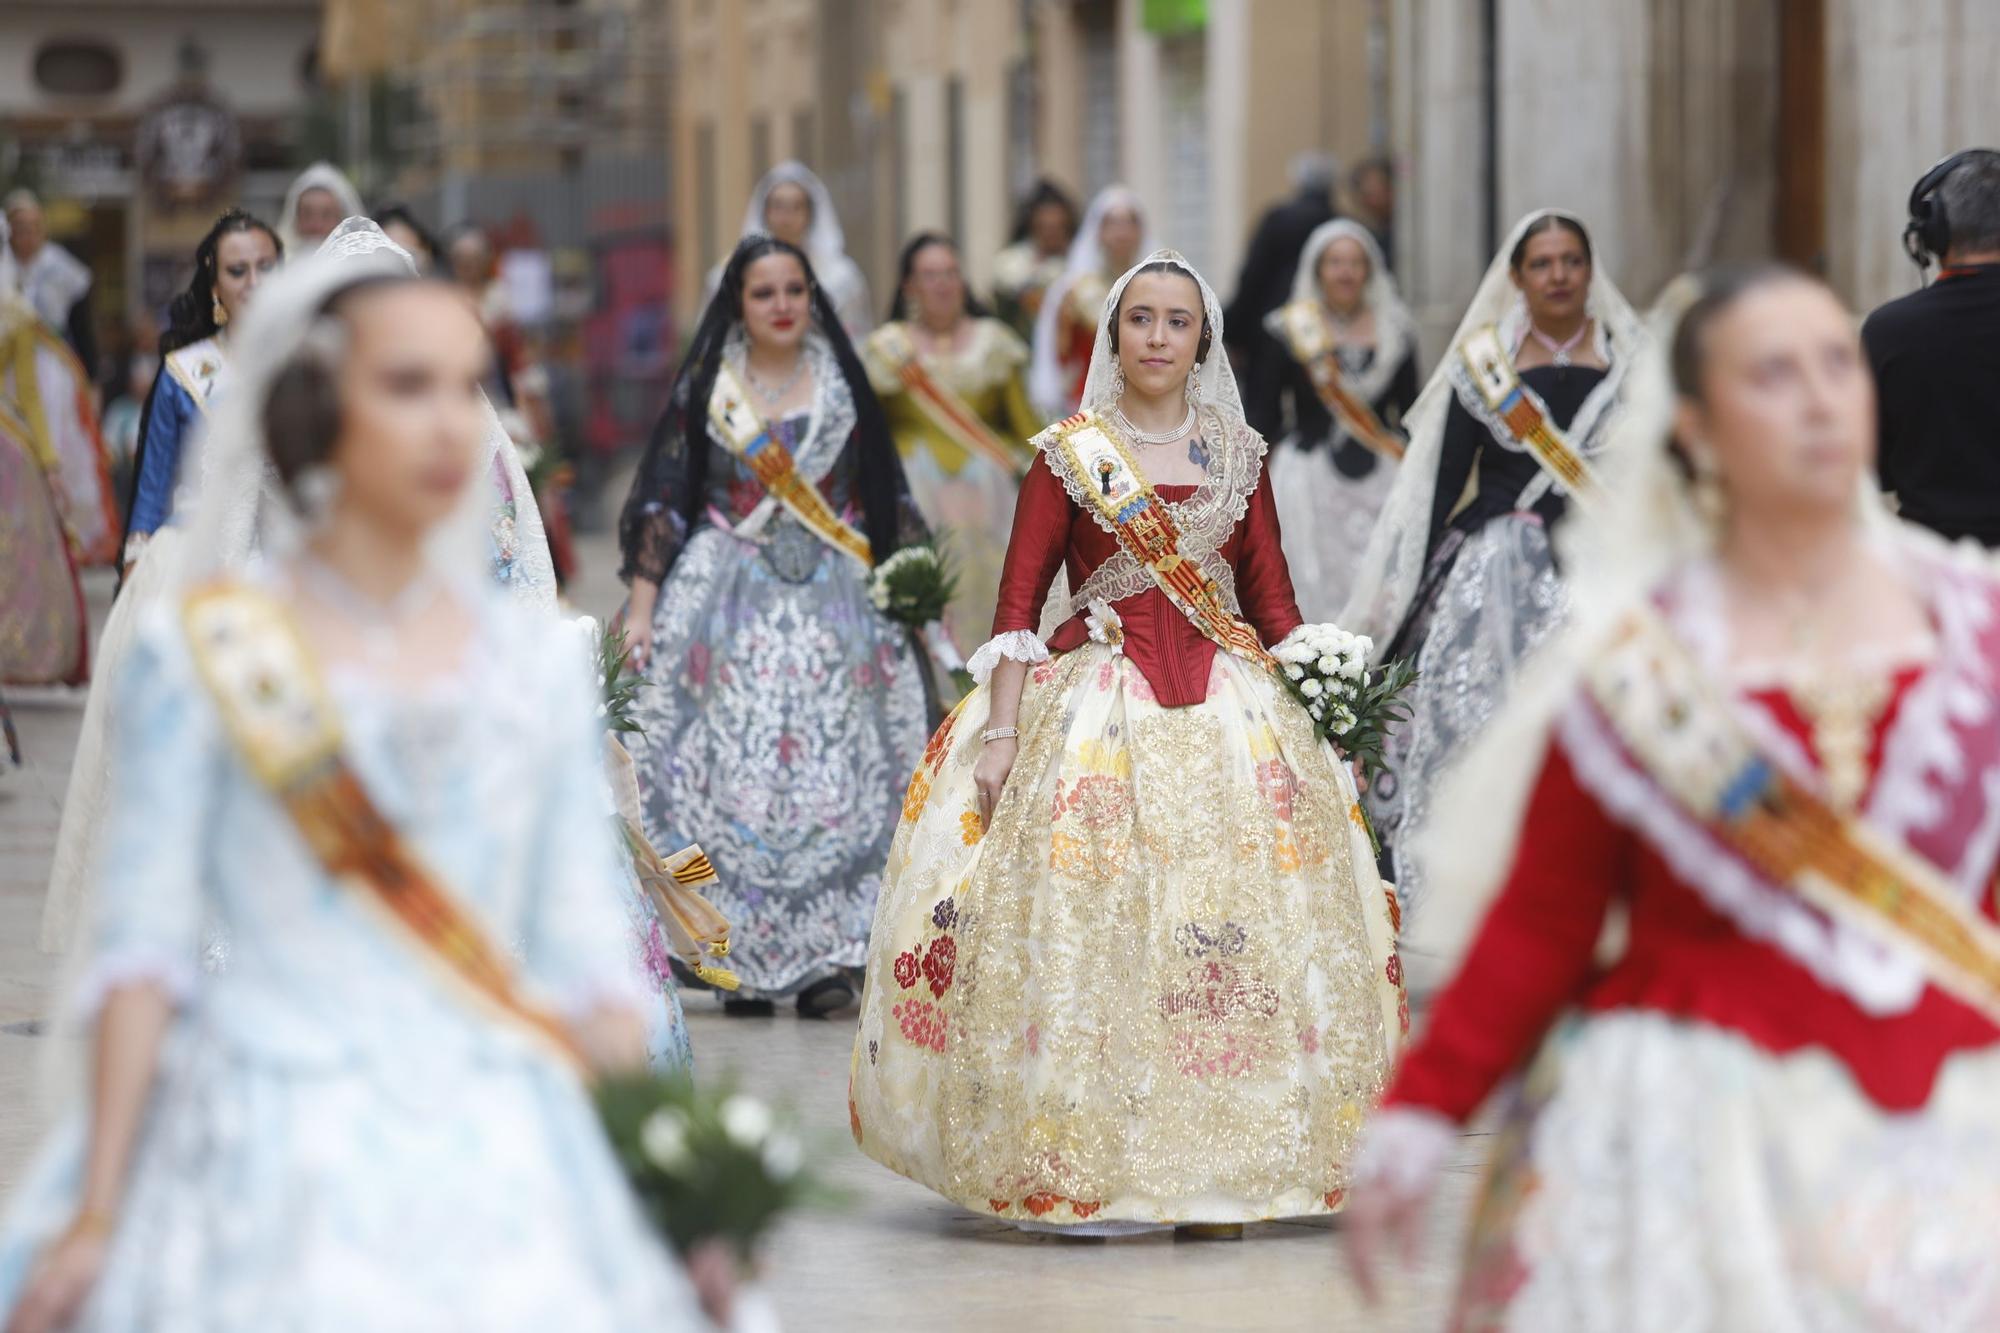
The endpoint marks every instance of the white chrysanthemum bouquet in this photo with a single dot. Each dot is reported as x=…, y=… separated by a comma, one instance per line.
x=1326, y=669
x=914, y=586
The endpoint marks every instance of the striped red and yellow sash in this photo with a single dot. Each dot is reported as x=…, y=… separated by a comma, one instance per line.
x=745, y=434
x=1104, y=468
x=280, y=717
x=1673, y=722
x=1522, y=412
x=940, y=404
x=1311, y=344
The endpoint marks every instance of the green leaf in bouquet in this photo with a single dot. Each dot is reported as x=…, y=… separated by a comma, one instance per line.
x=915, y=585
x=707, y=1162
x=619, y=688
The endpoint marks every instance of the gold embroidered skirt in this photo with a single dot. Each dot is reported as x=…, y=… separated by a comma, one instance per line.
x=1162, y=987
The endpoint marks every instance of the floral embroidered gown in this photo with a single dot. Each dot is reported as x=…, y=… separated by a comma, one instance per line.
x=1162, y=986
x=781, y=711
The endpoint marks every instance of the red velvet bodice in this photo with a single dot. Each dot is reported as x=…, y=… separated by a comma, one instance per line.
x=1533, y=958
x=1050, y=531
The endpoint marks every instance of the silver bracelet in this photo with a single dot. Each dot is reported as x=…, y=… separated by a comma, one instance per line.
x=999, y=734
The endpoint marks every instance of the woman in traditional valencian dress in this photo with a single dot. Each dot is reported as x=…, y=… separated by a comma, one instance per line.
x=1460, y=576
x=794, y=205
x=1770, y=743
x=1133, y=964
x=951, y=380
x=782, y=712
x=1351, y=376
x=193, y=379
x=1113, y=236
x=319, y=199
x=380, y=777
x=44, y=628
x=50, y=390
x=1035, y=257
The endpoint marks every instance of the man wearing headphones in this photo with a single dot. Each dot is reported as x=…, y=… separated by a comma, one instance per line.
x=1936, y=355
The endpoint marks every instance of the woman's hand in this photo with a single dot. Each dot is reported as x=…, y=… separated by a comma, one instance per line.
x=712, y=1269
x=613, y=1038
x=989, y=775
x=62, y=1281
x=638, y=643
x=1386, y=1215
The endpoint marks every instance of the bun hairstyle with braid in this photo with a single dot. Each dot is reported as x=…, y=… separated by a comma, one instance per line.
x=191, y=316
x=301, y=414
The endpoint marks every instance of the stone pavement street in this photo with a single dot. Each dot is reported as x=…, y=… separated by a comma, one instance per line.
x=899, y=1258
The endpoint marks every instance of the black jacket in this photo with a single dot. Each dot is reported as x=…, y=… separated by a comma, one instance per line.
x=1263, y=285
x=1936, y=356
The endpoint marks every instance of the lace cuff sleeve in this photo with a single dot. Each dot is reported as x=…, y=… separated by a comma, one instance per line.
x=1016, y=645
x=1404, y=1150
x=656, y=538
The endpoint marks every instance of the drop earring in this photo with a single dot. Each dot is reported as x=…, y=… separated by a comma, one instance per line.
x=1194, y=386
x=1117, y=381
x=219, y=311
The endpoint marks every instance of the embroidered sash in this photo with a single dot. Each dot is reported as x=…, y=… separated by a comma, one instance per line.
x=1311, y=344
x=276, y=710
x=941, y=406
x=1669, y=718
x=745, y=435
x=1095, y=455
x=1521, y=411
x=196, y=368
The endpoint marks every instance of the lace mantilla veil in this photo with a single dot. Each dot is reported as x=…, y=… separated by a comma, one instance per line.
x=1393, y=564
x=242, y=512
x=1047, y=387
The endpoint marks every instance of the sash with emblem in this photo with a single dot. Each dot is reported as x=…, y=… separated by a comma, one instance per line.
x=196, y=368
x=941, y=405
x=1103, y=464
x=1311, y=344
x=277, y=712
x=1521, y=411
x=745, y=435
x=1683, y=736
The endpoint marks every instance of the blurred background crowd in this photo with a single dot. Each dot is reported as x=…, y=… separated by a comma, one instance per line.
x=585, y=162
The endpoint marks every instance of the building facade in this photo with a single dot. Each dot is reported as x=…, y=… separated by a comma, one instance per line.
x=939, y=114
x=139, y=120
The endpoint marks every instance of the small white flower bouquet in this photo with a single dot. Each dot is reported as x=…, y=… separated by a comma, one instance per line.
x=1326, y=670
x=707, y=1163
x=914, y=586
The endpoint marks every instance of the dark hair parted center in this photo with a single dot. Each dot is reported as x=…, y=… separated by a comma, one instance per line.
x=1545, y=223
x=1163, y=266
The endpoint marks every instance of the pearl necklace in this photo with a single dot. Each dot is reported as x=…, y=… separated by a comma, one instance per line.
x=1138, y=436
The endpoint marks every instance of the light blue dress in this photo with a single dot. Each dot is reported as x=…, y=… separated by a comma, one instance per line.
x=337, y=1141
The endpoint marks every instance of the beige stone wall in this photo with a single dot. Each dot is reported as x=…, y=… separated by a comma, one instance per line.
x=1907, y=83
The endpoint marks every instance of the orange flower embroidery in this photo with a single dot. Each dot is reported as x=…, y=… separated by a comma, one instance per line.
x=1082, y=1209
x=1040, y=1204
x=940, y=743
x=970, y=828
x=999, y=1205
x=1335, y=1198
x=919, y=792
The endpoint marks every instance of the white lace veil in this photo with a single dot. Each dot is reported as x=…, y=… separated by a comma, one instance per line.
x=1048, y=388
x=318, y=176
x=825, y=237
x=241, y=511
x=1393, y=564
x=1216, y=381
x=1395, y=327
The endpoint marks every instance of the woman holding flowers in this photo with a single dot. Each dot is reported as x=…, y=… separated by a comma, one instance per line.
x=782, y=710
x=1133, y=965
